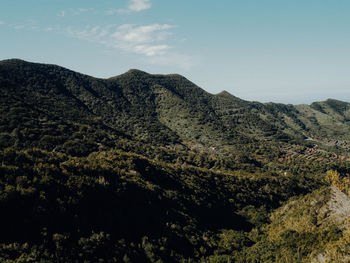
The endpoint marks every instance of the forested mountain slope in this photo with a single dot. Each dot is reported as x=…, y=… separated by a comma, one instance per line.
x=152, y=168
x=164, y=109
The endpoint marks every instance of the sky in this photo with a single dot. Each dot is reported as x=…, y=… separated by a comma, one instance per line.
x=259, y=50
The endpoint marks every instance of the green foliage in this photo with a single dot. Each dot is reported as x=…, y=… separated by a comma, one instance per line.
x=112, y=204
x=151, y=168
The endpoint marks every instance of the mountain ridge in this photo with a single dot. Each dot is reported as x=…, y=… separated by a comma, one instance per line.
x=171, y=110
x=141, y=72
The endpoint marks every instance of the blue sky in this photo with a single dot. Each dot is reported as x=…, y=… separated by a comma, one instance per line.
x=266, y=50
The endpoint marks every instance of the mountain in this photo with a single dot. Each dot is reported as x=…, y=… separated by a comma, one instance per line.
x=56, y=108
x=152, y=168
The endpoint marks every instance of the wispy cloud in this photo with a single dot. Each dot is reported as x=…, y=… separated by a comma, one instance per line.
x=139, y=5
x=19, y=26
x=80, y=11
x=2, y=23
x=74, y=12
x=29, y=25
x=83, y=10
x=133, y=6
x=112, y=11
x=48, y=29
x=33, y=25
x=146, y=40
x=142, y=34
x=149, y=41
x=62, y=13
x=95, y=34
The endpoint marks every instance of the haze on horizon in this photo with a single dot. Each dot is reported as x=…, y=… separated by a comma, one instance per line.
x=282, y=51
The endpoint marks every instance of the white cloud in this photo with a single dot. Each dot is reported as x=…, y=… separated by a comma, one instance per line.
x=139, y=5
x=112, y=11
x=62, y=14
x=95, y=34
x=2, y=22
x=146, y=40
x=133, y=6
x=142, y=34
x=48, y=29
x=82, y=10
x=74, y=12
x=28, y=25
x=148, y=50
x=149, y=41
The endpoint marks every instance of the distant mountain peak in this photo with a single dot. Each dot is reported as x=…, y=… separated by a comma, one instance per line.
x=227, y=95
x=13, y=61
x=224, y=93
x=132, y=72
x=136, y=71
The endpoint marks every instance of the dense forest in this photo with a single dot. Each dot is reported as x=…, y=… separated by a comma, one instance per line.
x=151, y=168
